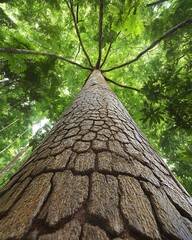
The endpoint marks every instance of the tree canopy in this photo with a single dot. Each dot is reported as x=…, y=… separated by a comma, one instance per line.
x=143, y=48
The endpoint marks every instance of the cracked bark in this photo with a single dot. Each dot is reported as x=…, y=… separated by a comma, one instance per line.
x=95, y=176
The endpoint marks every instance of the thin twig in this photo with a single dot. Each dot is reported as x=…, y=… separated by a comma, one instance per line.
x=77, y=13
x=14, y=160
x=121, y=85
x=108, y=51
x=100, y=34
x=106, y=55
x=179, y=58
x=71, y=8
x=68, y=5
x=24, y=51
x=78, y=51
x=9, y=125
x=152, y=45
x=8, y=146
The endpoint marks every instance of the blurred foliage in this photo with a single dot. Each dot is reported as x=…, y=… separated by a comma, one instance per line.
x=33, y=87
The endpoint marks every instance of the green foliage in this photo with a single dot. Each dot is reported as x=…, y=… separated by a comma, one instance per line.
x=34, y=87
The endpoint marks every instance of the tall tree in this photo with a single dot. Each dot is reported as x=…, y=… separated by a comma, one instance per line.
x=95, y=176
x=37, y=74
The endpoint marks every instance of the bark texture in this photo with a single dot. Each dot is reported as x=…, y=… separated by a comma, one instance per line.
x=95, y=176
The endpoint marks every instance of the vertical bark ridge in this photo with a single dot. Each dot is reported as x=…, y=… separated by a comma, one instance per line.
x=95, y=176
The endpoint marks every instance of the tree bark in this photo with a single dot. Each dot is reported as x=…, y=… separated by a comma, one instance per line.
x=95, y=176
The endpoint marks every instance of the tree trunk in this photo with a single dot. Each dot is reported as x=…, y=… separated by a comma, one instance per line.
x=95, y=176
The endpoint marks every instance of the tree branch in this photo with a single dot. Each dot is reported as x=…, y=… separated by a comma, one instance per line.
x=108, y=51
x=152, y=45
x=155, y=3
x=121, y=85
x=77, y=13
x=78, y=51
x=71, y=8
x=14, y=160
x=13, y=141
x=106, y=55
x=100, y=34
x=30, y=52
x=9, y=125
